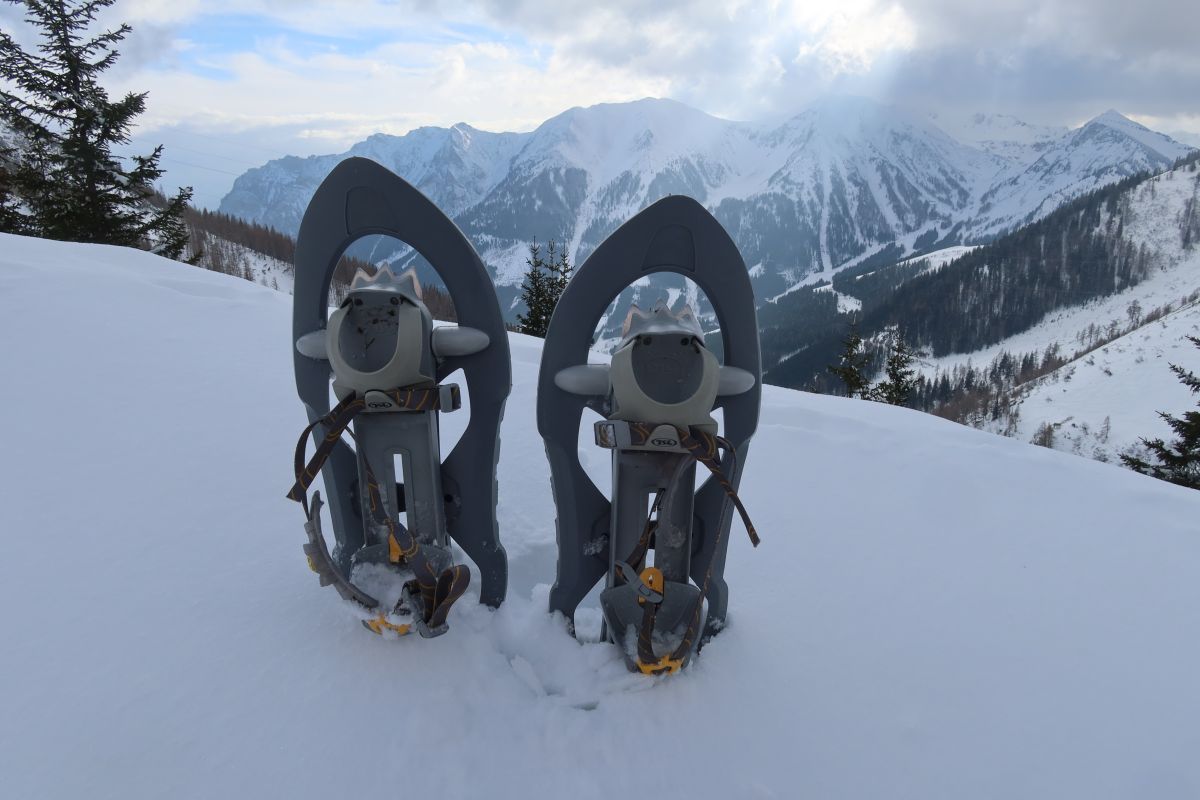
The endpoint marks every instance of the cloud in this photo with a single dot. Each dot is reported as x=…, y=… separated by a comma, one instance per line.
x=317, y=75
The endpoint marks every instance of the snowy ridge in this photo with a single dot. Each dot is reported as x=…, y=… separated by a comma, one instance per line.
x=453, y=166
x=1002, y=135
x=843, y=178
x=1001, y=621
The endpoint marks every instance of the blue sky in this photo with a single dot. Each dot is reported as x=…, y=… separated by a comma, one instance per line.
x=233, y=84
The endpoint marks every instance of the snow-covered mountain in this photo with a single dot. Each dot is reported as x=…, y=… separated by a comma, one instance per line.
x=845, y=178
x=454, y=166
x=1000, y=621
x=1108, y=148
x=1002, y=135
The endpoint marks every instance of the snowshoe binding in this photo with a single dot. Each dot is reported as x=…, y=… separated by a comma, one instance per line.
x=388, y=362
x=664, y=586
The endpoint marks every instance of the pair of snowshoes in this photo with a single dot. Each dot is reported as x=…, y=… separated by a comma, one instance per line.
x=663, y=569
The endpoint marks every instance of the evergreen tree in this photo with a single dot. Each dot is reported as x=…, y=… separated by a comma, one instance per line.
x=67, y=180
x=536, y=293
x=854, y=361
x=11, y=219
x=560, y=267
x=901, y=376
x=1179, y=461
x=545, y=281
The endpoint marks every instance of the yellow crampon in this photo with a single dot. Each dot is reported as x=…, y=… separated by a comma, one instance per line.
x=380, y=624
x=664, y=666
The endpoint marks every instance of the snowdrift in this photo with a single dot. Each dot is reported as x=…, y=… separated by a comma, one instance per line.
x=934, y=611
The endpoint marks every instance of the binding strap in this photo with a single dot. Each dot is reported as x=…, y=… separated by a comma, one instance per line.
x=435, y=591
x=340, y=417
x=705, y=447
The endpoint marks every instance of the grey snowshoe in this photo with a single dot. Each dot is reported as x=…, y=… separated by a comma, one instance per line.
x=663, y=574
x=387, y=362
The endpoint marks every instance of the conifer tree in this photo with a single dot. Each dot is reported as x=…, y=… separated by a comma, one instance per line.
x=1179, y=461
x=901, y=377
x=854, y=361
x=562, y=270
x=66, y=180
x=536, y=294
x=11, y=219
x=545, y=281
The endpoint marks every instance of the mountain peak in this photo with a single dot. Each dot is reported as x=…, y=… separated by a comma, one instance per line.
x=1115, y=119
x=655, y=108
x=1160, y=143
x=847, y=107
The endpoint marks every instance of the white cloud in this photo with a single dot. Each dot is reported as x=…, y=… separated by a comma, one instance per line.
x=391, y=65
x=487, y=84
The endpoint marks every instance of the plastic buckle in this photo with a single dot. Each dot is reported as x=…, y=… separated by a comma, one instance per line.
x=648, y=584
x=449, y=397
x=609, y=434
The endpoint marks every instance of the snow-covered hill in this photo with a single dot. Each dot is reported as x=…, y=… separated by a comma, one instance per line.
x=998, y=621
x=1101, y=404
x=840, y=180
x=1105, y=398
x=231, y=258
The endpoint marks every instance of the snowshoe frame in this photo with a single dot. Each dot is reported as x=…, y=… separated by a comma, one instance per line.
x=675, y=234
x=360, y=198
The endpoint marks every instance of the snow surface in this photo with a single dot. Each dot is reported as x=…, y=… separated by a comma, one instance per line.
x=935, y=612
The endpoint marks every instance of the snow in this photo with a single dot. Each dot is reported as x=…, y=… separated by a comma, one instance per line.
x=934, y=611
x=845, y=303
x=940, y=258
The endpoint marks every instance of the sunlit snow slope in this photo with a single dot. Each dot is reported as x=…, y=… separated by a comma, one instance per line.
x=935, y=612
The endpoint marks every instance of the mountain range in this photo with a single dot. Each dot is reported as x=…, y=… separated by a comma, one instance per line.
x=845, y=180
